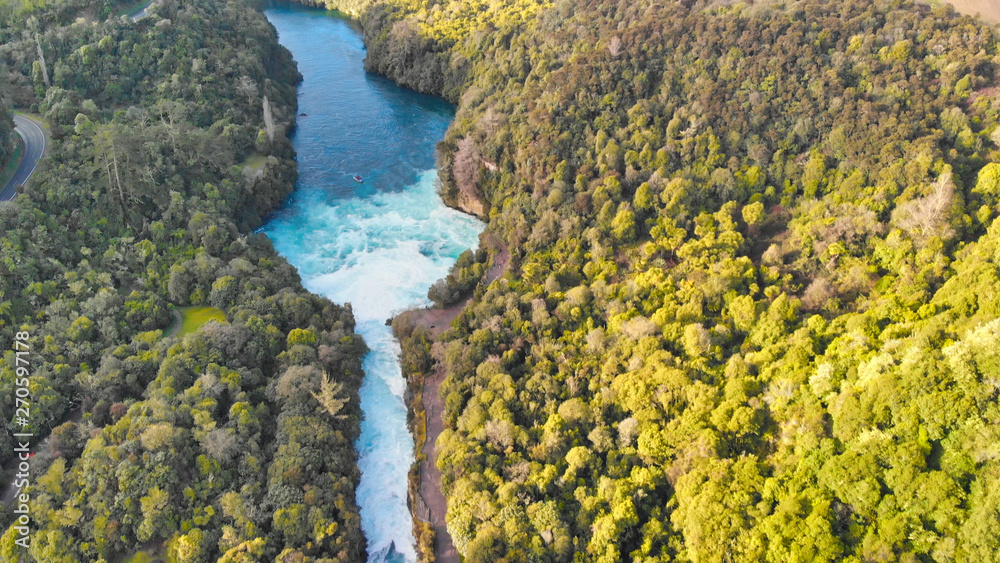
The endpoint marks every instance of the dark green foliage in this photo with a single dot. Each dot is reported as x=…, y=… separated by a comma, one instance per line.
x=161, y=164
x=7, y=141
x=464, y=275
x=753, y=311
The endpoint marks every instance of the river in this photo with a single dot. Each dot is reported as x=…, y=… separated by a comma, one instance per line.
x=378, y=245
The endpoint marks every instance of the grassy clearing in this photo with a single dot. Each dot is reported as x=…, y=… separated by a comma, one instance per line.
x=141, y=557
x=254, y=161
x=193, y=318
x=989, y=10
x=150, y=553
x=253, y=165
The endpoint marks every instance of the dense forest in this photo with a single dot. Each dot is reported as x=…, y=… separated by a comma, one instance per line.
x=229, y=442
x=752, y=313
x=7, y=141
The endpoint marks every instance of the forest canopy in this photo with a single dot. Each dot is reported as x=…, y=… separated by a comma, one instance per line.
x=751, y=311
x=233, y=442
x=8, y=143
x=752, y=308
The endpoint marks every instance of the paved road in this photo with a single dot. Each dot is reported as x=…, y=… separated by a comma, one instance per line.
x=34, y=148
x=140, y=14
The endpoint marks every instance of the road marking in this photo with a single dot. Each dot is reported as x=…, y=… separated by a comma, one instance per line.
x=42, y=133
x=22, y=126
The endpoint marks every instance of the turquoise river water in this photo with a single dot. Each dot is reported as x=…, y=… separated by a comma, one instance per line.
x=377, y=245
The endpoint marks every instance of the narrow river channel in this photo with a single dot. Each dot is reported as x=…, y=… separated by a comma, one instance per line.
x=378, y=245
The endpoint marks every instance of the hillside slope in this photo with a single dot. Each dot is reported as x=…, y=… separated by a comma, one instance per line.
x=7, y=146
x=231, y=441
x=752, y=310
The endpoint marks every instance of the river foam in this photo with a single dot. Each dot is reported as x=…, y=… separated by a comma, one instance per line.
x=380, y=254
x=378, y=245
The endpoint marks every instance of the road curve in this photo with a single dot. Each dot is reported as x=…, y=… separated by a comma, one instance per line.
x=140, y=14
x=34, y=148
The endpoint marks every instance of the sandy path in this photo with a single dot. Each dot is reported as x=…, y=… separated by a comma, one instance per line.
x=430, y=476
x=438, y=320
x=433, y=505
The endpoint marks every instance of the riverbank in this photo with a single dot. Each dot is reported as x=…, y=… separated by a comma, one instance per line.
x=379, y=245
x=418, y=331
x=426, y=501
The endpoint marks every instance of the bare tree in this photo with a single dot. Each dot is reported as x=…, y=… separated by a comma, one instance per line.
x=329, y=396
x=221, y=444
x=926, y=217
x=171, y=115
x=110, y=153
x=466, y=167
x=268, y=120
x=41, y=61
x=34, y=27
x=615, y=46
x=247, y=87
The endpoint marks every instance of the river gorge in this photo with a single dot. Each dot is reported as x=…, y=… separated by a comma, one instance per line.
x=377, y=245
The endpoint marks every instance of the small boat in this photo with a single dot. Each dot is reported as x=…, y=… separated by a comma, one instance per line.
x=302, y=115
x=359, y=179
